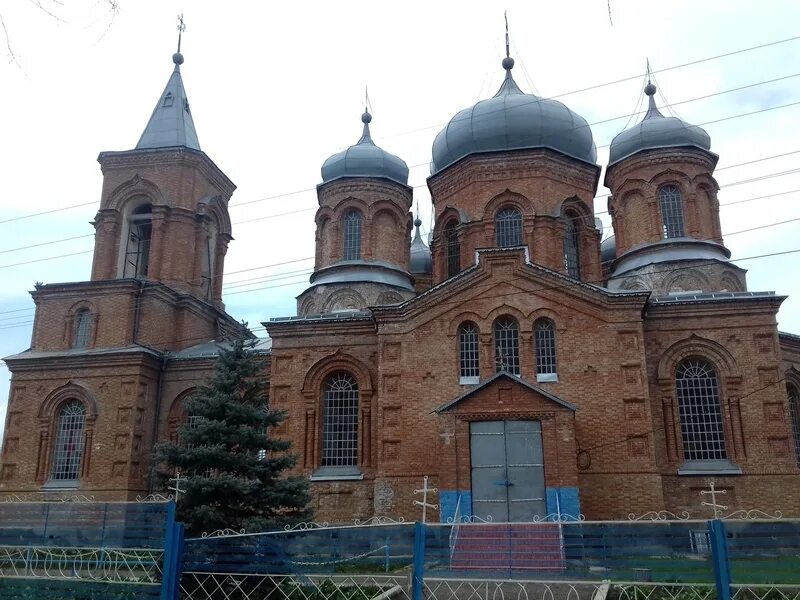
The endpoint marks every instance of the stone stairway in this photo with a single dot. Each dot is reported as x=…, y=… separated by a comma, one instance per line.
x=508, y=547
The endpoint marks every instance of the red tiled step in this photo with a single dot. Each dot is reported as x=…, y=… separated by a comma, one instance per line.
x=524, y=546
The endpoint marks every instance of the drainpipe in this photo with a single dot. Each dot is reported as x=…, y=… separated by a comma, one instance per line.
x=157, y=418
x=137, y=307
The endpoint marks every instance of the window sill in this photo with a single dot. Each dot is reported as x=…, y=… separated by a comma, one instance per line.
x=709, y=467
x=547, y=378
x=469, y=380
x=61, y=484
x=337, y=474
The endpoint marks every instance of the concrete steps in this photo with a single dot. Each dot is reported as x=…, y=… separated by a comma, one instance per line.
x=508, y=546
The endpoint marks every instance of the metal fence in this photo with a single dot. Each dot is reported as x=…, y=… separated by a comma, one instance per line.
x=88, y=550
x=637, y=560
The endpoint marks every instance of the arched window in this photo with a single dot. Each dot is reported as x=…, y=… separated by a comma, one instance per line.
x=452, y=249
x=506, y=344
x=352, y=235
x=340, y=421
x=468, y=356
x=508, y=227
x=68, y=450
x=137, y=251
x=794, y=413
x=83, y=322
x=700, y=411
x=544, y=338
x=572, y=257
x=671, y=203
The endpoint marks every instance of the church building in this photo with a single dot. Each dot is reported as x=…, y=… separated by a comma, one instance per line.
x=524, y=366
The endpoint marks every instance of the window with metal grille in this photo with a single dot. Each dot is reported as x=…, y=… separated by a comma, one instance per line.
x=452, y=249
x=544, y=337
x=469, y=366
x=352, y=235
x=671, y=203
x=82, y=325
x=137, y=251
x=340, y=421
x=572, y=257
x=508, y=227
x=68, y=450
x=506, y=344
x=700, y=411
x=794, y=413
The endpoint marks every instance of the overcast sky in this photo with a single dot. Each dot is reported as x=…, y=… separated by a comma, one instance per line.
x=275, y=88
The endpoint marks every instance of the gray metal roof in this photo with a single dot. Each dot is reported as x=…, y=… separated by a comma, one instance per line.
x=608, y=249
x=656, y=131
x=351, y=271
x=365, y=159
x=513, y=120
x=211, y=349
x=421, y=261
x=171, y=123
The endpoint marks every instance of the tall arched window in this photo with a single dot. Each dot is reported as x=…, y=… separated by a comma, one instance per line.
x=544, y=338
x=352, y=235
x=340, y=421
x=83, y=322
x=68, y=449
x=671, y=204
x=452, y=249
x=508, y=227
x=572, y=257
x=794, y=413
x=700, y=411
x=468, y=354
x=506, y=344
x=137, y=251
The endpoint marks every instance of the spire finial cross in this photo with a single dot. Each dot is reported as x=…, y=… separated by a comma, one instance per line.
x=366, y=99
x=648, y=70
x=181, y=29
x=508, y=50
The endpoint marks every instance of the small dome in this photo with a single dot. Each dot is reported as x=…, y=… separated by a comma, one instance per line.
x=365, y=159
x=608, y=249
x=421, y=261
x=656, y=131
x=513, y=120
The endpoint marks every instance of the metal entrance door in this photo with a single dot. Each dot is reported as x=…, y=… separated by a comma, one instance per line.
x=507, y=470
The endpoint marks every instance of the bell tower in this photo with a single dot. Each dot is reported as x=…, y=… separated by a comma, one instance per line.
x=164, y=206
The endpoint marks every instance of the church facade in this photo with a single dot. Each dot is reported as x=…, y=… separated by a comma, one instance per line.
x=524, y=366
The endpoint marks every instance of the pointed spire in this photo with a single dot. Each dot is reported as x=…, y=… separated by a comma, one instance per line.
x=417, y=225
x=650, y=92
x=509, y=86
x=366, y=138
x=171, y=123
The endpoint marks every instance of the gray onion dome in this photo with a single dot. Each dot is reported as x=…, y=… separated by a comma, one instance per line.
x=656, y=131
x=513, y=120
x=421, y=261
x=365, y=159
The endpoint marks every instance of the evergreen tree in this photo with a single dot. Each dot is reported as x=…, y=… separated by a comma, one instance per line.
x=234, y=468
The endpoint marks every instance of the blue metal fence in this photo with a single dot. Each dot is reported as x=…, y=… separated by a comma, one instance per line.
x=89, y=550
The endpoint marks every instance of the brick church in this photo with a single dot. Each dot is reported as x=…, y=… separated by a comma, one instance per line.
x=524, y=366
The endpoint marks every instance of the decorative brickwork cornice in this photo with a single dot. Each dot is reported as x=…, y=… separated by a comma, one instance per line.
x=335, y=191
x=508, y=166
x=162, y=157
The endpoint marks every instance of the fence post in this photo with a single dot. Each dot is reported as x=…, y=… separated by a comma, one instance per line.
x=173, y=556
x=719, y=557
x=418, y=572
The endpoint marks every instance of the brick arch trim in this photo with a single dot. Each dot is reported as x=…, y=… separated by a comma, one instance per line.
x=136, y=186
x=506, y=309
x=463, y=317
x=69, y=391
x=546, y=313
x=351, y=203
x=337, y=361
x=673, y=177
x=449, y=214
x=508, y=198
x=792, y=377
x=576, y=205
x=700, y=347
x=215, y=208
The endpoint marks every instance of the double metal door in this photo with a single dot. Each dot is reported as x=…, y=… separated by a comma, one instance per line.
x=507, y=470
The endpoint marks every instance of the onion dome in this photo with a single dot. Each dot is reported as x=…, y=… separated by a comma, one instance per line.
x=421, y=261
x=513, y=120
x=608, y=249
x=656, y=131
x=365, y=159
